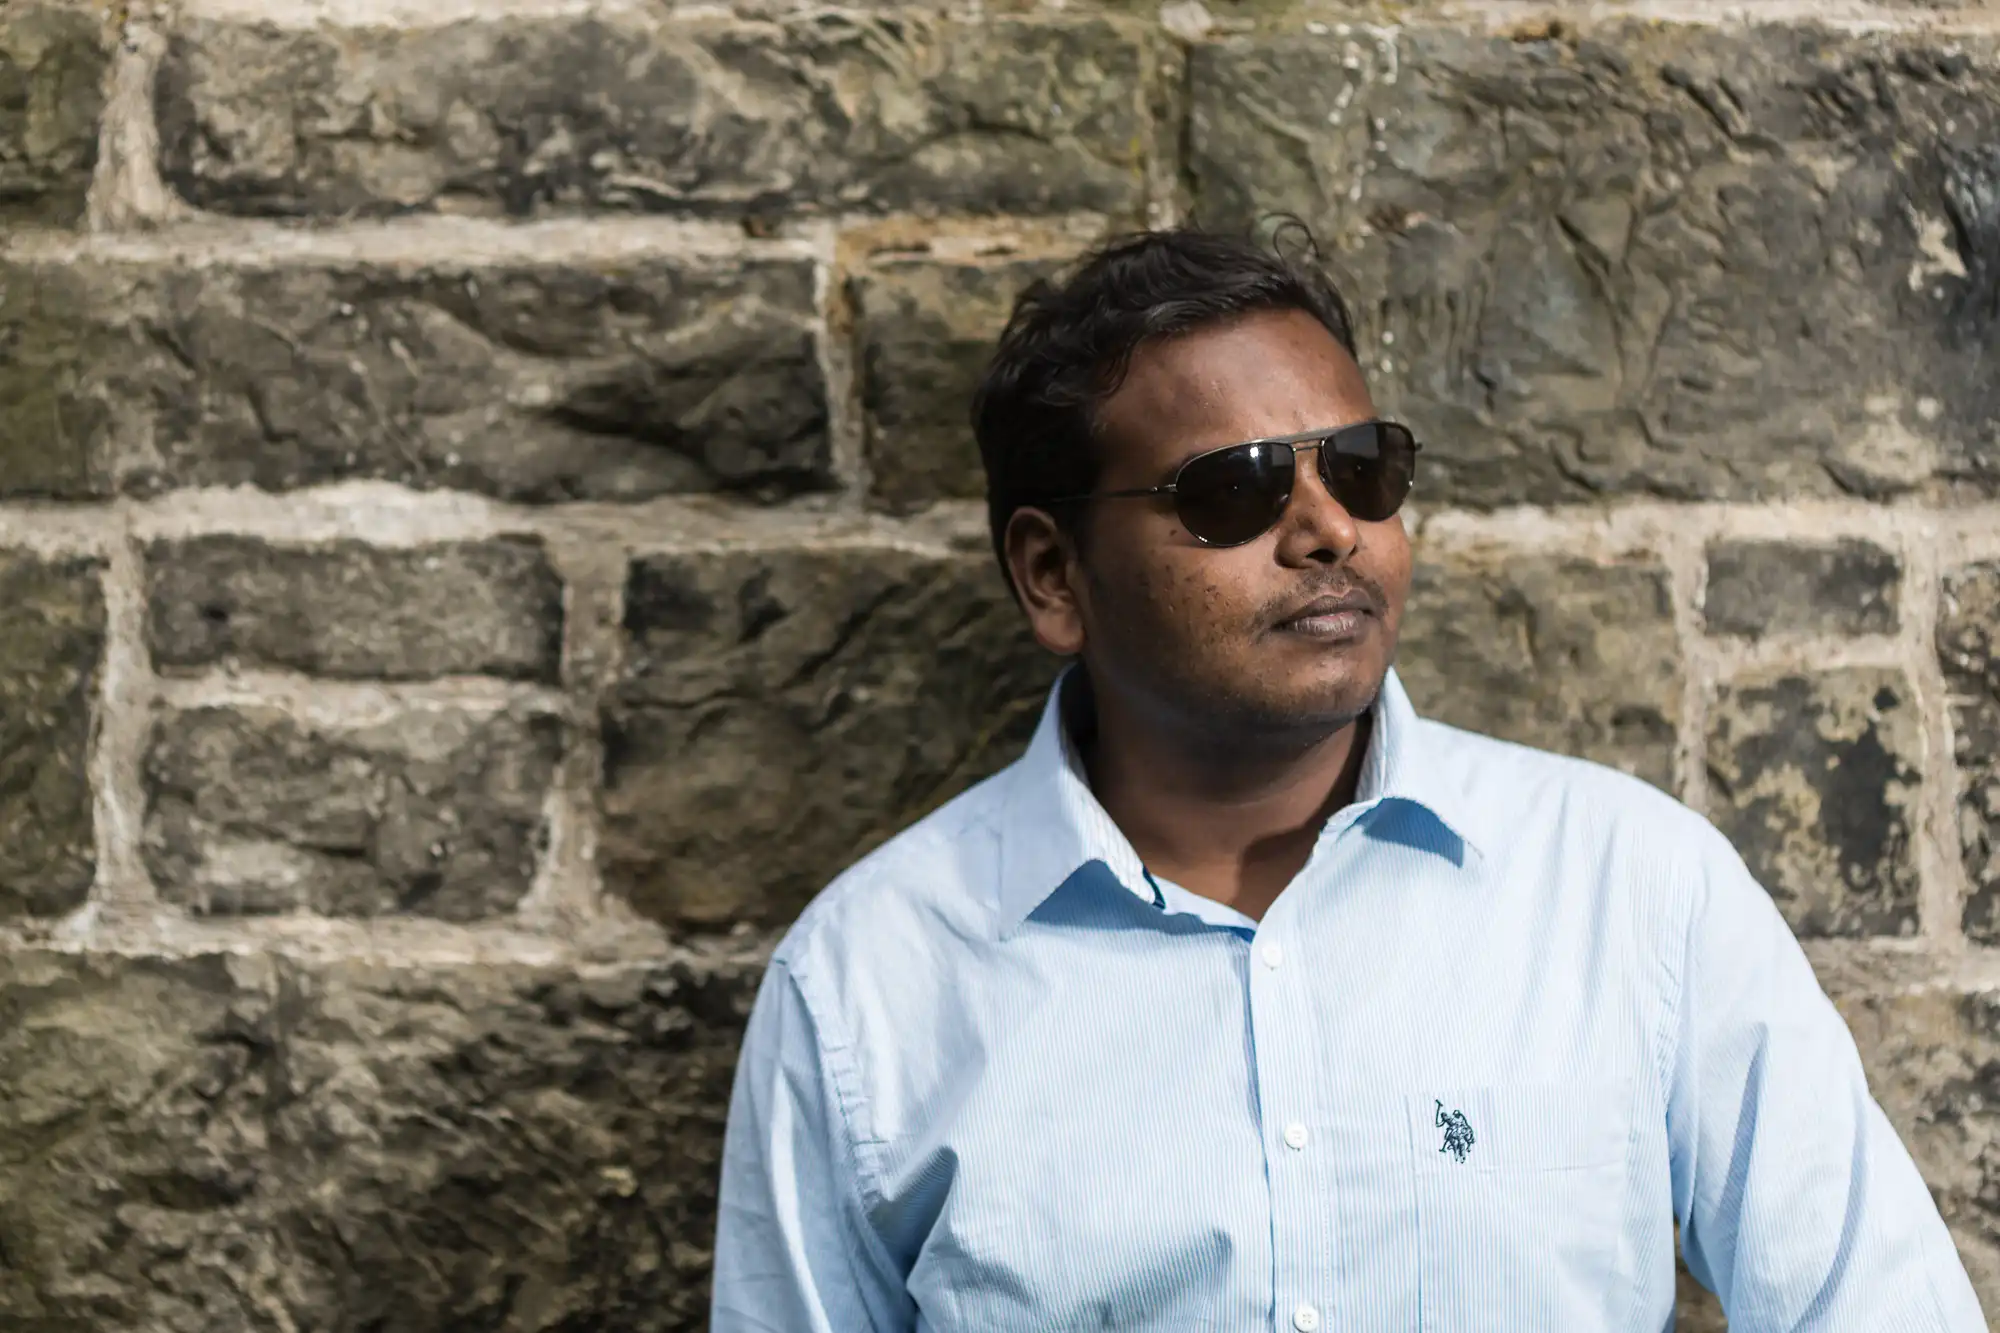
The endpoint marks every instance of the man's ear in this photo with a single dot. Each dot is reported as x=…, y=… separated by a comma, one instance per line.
x=1042, y=561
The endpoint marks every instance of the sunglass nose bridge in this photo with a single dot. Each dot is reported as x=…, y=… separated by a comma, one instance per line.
x=1311, y=469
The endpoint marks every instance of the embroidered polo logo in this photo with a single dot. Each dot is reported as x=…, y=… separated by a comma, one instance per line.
x=1457, y=1132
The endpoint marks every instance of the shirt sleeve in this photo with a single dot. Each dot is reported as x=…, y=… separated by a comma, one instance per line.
x=794, y=1252
x=1799, y=1205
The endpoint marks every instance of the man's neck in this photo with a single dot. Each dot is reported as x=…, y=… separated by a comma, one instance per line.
x=1234, y=823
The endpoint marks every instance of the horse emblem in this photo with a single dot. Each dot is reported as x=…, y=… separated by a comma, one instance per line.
x=1457, y=1132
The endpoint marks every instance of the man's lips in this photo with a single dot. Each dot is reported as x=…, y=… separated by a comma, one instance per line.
x=1335, y=616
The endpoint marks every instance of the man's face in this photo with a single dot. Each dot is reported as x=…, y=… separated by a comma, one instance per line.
x=1213, y=636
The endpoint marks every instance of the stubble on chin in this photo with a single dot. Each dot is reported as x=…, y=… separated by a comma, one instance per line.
x=1214, y=680
x=1260, y=710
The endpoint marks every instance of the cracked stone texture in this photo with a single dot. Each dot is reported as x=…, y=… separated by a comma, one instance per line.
x=53, y=427
x=1933, y=1060
x=434, y=812
x=1815, y=779
x=784, y=711
x=52, y=63
x=611, y=379
x=1840, y=588
x=51, y=650
x=234, y=1144
x=348, y=609
x=1644, y=258
x=927, y=332
x=1968, y=647
x=1558, y=652
x=525, y=115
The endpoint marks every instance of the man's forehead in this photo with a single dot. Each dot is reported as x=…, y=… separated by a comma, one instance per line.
x=1268, y=373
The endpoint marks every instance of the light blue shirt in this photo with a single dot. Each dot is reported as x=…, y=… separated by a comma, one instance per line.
x=1517, y=1016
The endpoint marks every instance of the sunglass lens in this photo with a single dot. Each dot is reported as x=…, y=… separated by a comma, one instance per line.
x=1234, y=495
x=1369, y=468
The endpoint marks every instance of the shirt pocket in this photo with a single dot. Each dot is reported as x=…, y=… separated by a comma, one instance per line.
x=1520, y=1192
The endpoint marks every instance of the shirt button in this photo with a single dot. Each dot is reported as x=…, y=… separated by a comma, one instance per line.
x=1305, y=1319
x=1272, y=954
x=1295, y=1135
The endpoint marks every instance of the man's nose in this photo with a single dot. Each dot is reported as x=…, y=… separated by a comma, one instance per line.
x=1316, y=526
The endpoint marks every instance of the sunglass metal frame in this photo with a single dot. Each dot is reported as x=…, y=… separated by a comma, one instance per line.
x=1310, y=439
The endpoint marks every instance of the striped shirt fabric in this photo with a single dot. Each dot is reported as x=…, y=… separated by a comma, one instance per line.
x=1517, y=1017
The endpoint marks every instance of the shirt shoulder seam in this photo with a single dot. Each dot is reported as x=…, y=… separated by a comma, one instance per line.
x=1683, y=975
x=1683, y=995
x=836, y=1054
x=863, y=1183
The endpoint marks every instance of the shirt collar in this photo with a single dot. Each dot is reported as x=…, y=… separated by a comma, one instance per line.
x=1053, y=825
x=1400, y=765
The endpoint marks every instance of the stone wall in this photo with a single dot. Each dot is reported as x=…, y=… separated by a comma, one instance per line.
x=487, y=528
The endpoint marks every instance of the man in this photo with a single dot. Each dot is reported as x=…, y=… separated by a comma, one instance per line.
x=1249, y=1000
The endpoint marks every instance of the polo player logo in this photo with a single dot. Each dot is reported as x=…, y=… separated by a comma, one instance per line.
x=1457, y=1132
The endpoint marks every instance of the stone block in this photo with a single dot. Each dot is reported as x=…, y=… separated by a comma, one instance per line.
x=348, y=609
x=1567, y=654
x=543, y=379
x=528, y=114
x=429, y=811
x=1933, y=1060
x=1839, y=588
x=784, y=711
x=52, y=63
x=227, y=1144
x=1968, y=645
x=55, y=422
x=1635, y=257
x=1815, y=779
x=927, y=333
x=51, y=650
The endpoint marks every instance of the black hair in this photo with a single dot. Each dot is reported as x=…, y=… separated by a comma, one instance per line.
x=1070, y=340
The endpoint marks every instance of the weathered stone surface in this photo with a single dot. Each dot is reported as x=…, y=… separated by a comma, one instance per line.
x=354, y=610
x=1567, y=654
x=532, y=113
x=228, y=1144
x=784, y=711
x=927, y=332
x=1969, y=651
x=1815, y=779
x=430, y=811
x=53, y=428
x=1757, y=588
x=1933, y=1060
x=51, y=648
x=52, y=61
x=547, y=380
x=1651, y=258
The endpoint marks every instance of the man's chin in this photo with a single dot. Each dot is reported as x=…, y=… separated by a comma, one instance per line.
x=1321, y=698
x=1339, y=667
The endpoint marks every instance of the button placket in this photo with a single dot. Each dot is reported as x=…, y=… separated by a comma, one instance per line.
x=1284, y=1050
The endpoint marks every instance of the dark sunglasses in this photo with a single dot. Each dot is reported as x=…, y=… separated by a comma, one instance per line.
x=1236, y=494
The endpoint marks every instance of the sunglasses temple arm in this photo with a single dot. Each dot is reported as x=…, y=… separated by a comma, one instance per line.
x=1110, y=495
